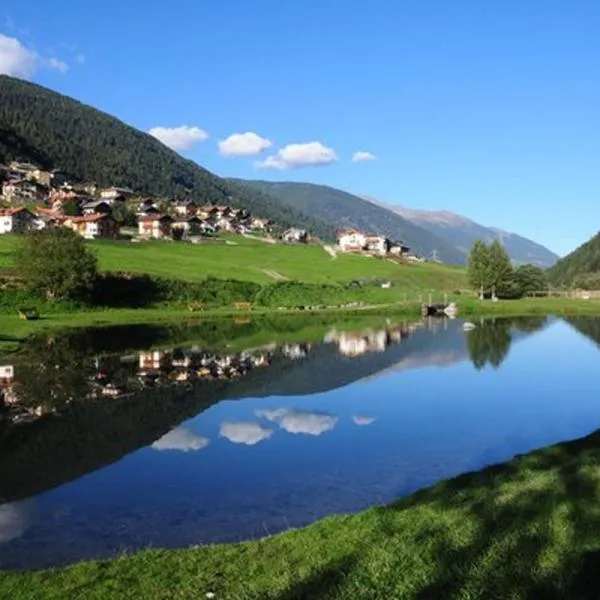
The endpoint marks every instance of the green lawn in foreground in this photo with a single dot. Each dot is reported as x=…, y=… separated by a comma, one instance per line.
x=527, y=529
x=249, y=259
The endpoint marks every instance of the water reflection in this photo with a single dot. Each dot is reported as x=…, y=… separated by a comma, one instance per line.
x=353, y=417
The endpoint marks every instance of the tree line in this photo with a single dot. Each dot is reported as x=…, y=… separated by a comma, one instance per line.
x=491, y=272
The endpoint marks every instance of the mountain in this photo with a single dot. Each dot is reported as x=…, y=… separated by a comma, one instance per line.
x=580, y=265
x=462, y=233
x=342, y=209
x=54, y=131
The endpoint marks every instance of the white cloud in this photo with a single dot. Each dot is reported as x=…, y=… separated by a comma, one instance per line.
x=58, y=65
x=15, y=519
x=244, y=144
x=18, y=60
x=294, y=156
x=181, y=439
x=362, y=156
x=244, y=432
x=179, y=138
x=300, y=421
x=363, y=420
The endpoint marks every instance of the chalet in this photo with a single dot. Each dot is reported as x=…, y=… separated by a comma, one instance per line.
x=19, y=191
x=39, y=175
x=147, y=207
x=189, y=225
x=43, y=220
x=224, y=224
x=154, y=226
x=96, y=207
x=295, y=235
x=15, y=220
x=377, y=244
x=115, y=194
x=398, y=249
x=351, y=240
x=260, y=224
x=186, y=208
x=94, y=226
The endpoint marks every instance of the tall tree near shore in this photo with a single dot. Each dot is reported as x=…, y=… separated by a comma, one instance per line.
x=499, y=267
x=477, y=267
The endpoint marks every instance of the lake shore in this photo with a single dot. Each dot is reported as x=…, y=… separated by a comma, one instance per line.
x=15, y=330
x=523, y=529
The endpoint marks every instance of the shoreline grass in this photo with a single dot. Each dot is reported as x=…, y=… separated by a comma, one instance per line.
x=529, y=528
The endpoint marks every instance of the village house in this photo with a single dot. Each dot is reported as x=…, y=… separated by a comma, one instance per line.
x=260, y=224
x=15, y=220
x=377, y=244
x=189, y=225
x=186, y=208
x=115, y=194
x=154, y=226
x=351, y=240
x=147, y=207
x=21, y=191
x=94, y=226
x=295, y=235
x=398, y=249
x=96, y=207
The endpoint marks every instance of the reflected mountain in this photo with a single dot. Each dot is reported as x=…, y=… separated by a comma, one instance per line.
x=72, y=404
x=587, y=326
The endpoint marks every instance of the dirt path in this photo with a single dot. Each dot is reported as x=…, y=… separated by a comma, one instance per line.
x=275, y=275
x=331, y=251
x=268, y=240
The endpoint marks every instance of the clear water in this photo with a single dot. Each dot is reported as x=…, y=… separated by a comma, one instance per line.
x=335, y=425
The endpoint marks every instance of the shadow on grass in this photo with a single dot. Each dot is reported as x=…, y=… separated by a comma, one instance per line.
x=529, y=529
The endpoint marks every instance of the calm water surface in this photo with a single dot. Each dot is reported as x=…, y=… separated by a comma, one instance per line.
x=106, y=449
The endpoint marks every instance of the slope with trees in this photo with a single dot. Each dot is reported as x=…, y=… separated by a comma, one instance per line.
x=581, y=268
x=54, y=131
x=342, y=209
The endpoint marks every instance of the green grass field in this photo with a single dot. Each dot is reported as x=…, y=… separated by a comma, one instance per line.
x=528, y=529
x=253, y=260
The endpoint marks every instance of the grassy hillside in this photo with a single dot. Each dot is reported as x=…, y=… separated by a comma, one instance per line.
x=342, y=209
x=55, y=131
x=579, y=267
x=463, y=233
x=528, y=529
x=252, y=260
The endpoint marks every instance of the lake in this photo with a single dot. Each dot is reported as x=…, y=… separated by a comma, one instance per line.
x=117, y=439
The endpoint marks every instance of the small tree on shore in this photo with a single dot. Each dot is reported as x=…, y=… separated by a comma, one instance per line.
x=477, y=268
x=57, y=264
x=499, y=266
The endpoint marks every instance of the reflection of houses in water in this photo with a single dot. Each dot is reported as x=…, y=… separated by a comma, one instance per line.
x=353, y=344
x=296, y=351
x=153, y=360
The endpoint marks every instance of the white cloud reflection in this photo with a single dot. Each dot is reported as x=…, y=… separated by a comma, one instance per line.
x=182, y=439
x=244, y=432
x=15, y=519
x=300, y=421
x=359, y=420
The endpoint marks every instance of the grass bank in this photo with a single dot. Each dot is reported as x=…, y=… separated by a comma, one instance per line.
x=251, y=260
x=529, y=528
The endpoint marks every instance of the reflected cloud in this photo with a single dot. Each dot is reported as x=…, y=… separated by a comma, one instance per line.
x=182, y=439
x=363, y=420
x=300, y=421
x=15, y=519
x=244, y=432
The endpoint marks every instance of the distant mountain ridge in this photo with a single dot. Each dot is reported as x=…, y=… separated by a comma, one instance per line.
x=462, y=232
x=342, y=209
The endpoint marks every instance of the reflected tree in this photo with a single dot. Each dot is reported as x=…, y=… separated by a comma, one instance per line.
x=489, y=343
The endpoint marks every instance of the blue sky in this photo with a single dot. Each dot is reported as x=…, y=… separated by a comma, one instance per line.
x=489, y=109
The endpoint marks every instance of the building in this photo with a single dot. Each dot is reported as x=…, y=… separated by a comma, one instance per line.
x=398, y=249
x=96, y=207
x=154, y=226
x=186, y=208
x=377, y=244
x=116, y=194
x=94, y=226
x=21, y=191
x=295, y=235
x=189, y=225
x=351, y=240
x=15, y=220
